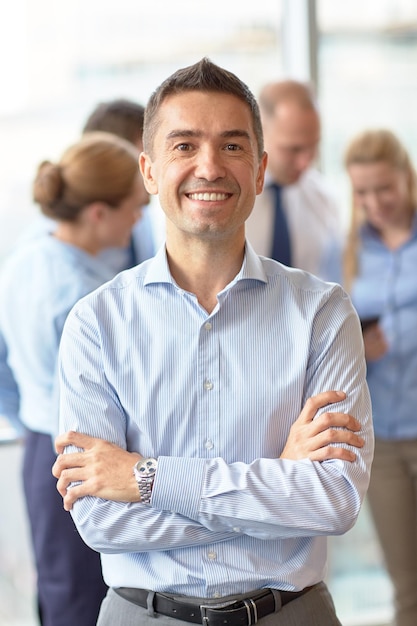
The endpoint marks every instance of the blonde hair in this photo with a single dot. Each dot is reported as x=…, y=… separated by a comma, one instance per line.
x=373, y=146
x=99, y=167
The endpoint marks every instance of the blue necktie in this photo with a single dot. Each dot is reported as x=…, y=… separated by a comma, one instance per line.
x=132, y=257
x=281, y=245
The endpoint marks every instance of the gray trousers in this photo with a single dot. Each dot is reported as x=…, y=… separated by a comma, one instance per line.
x=315, y=608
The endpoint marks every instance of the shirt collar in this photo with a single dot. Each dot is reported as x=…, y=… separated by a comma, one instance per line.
x=252, y=268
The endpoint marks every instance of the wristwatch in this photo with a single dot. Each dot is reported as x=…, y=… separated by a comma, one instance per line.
x=144, y=471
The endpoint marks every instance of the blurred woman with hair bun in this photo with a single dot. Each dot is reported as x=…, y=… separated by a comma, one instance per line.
x=95, y=194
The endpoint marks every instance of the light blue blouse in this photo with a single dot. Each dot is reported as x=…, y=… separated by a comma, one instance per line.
x=386, y=285
x=39, y=284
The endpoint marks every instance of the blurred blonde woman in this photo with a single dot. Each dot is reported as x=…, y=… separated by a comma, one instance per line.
x=95, y=194
x=380, y=272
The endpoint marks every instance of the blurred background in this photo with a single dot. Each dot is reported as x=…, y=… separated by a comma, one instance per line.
x=59, y=59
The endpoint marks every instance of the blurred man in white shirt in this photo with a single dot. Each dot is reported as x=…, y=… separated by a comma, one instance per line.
x=291, y=125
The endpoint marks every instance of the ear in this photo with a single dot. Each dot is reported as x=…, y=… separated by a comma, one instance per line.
x=146, y=168
x=260, y=177
x=96, y=211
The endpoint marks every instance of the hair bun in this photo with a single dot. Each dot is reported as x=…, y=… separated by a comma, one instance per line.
x=48, y=185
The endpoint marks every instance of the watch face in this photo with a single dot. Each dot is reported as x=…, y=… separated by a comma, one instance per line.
x=146, y=467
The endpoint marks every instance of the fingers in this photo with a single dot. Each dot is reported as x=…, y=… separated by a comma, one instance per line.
x=332, y=452
x=65, y=479
x=70, y=496
x=102, y=470
x=334, y=436
x=324, y=436
x=74, y=483
x=65, y=461
x=317, y=402
x=334, y=420
x=72, y=438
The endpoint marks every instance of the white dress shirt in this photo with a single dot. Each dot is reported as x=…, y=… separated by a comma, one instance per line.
x=314, y=224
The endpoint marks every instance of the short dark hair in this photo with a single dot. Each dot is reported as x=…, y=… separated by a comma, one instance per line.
x=202, y=76
x=121, y=117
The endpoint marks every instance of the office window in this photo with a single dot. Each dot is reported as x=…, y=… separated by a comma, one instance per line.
x=60, y=59
x=367, y=76
x=367, y=79
x=57, y=61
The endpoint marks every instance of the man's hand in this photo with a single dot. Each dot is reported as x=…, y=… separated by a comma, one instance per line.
x=311, y=438
x=104, y=469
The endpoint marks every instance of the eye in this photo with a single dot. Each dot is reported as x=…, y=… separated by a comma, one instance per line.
x=183, y=147
x=232, y=147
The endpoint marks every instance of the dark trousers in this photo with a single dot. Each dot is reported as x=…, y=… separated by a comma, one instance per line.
x=69, y=578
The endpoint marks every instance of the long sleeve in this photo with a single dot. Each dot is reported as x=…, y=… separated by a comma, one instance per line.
x=272, y=498
x=9, y=392
x=214, y=397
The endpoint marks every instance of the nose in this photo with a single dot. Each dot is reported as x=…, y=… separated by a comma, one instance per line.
x=371, y=201
x=209, y=165
x=304, y=159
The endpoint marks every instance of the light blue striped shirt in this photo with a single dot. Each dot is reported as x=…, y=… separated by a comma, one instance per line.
x=386, y=286
x=39, y=284
x=213, y=397
x=142, y=243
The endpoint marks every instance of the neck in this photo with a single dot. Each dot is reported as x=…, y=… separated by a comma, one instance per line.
x=205, y=268
x=72, y=233
x=397, y=234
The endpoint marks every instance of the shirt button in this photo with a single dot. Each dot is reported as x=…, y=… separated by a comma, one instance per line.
x=212, y=555
x=208, y=326
x=217, y=594
x=209, y=444
x=236, y=529
x=208, y=385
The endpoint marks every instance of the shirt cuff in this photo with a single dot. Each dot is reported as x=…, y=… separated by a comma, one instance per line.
x=178, y=485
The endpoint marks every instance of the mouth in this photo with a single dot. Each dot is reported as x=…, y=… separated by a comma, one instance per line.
x=209, y=196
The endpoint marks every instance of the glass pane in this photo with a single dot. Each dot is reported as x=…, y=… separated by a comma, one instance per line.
x=367, y=76
x=61, y=59
x=367, y=79
x=57, y=61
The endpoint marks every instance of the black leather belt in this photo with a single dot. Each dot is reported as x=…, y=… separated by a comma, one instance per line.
x=242, y=612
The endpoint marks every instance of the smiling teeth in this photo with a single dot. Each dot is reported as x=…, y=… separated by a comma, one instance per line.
x=208, y=196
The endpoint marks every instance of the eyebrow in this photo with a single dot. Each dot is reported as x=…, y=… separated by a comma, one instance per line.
x=227, y=134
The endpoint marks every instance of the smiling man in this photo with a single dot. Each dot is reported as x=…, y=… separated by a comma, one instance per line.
x=219, y=397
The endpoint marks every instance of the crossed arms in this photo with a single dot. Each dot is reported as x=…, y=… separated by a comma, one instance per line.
x=104, y=470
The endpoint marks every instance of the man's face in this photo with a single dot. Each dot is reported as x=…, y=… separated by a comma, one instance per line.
x=292, y=136
x=205, y=164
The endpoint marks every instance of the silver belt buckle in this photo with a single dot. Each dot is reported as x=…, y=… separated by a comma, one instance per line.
x=217, y=606
x=249, y=604
x=203, y=611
